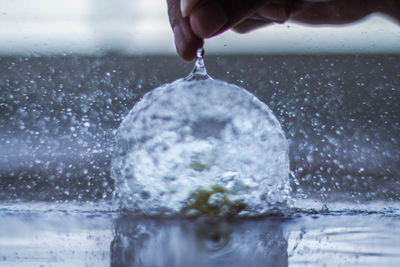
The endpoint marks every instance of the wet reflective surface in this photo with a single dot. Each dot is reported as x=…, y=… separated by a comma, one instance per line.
x=95, y=234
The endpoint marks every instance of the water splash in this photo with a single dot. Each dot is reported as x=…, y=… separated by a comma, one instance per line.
x=199, y=146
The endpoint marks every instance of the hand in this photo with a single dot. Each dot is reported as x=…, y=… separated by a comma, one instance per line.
x=194, y=20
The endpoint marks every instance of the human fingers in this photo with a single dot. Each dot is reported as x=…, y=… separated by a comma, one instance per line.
x=311, y=12
x=186, y=42
x=249, y=25
x=187, y=6
x=270, y=13
x=331, y=12
x=342, y=11
x=211, y=17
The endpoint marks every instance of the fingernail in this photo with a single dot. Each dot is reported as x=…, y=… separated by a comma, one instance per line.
x=187, y=7
x=208, y=20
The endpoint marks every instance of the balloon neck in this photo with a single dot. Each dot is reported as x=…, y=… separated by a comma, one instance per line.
x=199, y=71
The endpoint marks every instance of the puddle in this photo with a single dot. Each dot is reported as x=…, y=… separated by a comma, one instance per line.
x=97, y=234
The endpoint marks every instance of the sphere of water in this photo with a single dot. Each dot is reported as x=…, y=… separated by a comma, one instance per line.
x=201, y=146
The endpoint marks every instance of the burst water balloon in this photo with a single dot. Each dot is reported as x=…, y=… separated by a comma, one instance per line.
x=199, y=145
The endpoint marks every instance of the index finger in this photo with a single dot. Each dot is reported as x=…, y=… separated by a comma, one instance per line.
x=186, y=42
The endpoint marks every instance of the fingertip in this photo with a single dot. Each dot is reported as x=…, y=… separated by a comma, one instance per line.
x=186, y=42
x=188, y=53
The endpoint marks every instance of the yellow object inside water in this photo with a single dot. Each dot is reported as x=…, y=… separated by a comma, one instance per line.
x=199, y=203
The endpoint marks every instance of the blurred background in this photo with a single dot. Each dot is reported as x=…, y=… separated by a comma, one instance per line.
x=71, y=70
x=93, y=27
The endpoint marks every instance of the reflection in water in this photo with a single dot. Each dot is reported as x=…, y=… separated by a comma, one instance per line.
x=151, y=242
x=67, y=234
